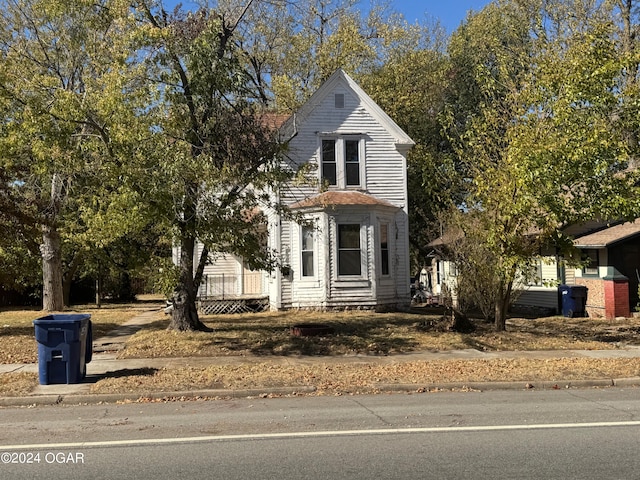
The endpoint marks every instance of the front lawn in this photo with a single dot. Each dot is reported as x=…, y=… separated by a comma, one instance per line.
x=373, y=333
x=17, y=337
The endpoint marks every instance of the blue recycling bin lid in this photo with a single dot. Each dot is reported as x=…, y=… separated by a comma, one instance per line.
x=62, y=317
x=70, y=323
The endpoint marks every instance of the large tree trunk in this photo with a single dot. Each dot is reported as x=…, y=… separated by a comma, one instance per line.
x=184, y=316
x=52, y=291
x=67, y=279
x=502, y=306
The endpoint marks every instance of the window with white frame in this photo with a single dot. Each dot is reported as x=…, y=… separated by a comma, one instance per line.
x=534, y=273
x=307, y=251
x=342, y=161
x=349, y=250
x=591, y=259
x=384, y=248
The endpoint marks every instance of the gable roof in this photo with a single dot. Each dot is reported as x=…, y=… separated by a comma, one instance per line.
x=289, y=128
x=609, y=236
x=341, y=198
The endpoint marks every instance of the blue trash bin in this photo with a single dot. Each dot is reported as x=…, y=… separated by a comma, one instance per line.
x=64, y=347
x=573, y=300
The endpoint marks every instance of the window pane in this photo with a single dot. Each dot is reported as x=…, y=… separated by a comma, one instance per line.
x=328, y=150
x=329, y=161
x=384, y=249
x=307, y=238
x=351, y=151
x=349, y=262
x=353, y=174
x=329, y=173
x=592, y=262
x=307, y=264
x=349, y=236
x=352, y=165
x=385, y=262
x=307, y=251
x=349, y=249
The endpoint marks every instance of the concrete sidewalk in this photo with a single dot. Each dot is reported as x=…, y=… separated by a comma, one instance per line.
x=104, y=362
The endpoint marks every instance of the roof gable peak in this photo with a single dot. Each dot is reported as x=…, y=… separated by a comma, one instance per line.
x=335, y=80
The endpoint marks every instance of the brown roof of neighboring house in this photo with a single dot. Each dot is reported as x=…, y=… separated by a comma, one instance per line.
x=607, y=236
x=328, y=199
x=273, y=120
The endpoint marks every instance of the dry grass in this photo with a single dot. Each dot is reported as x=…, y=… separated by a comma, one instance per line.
x=17, y=341
x=268, y=336
x=340, y=378
x=17, y=384
x=372, y=333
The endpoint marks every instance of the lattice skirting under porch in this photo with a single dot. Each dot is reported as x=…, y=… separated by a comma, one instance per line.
x=218, y=306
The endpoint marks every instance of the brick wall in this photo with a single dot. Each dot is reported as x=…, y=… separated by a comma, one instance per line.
x=595, y=296
x=606, y=298
x=617, y=298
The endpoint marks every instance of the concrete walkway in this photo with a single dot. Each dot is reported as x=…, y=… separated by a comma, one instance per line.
x=104, y=362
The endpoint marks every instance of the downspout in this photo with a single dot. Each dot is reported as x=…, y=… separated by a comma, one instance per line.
x=275, y=293
x=403, y=290
x=329, y=253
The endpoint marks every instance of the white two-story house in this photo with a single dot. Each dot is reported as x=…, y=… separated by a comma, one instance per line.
x=350, y=245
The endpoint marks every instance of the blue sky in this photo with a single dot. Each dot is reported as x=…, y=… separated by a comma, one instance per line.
x=450, y=12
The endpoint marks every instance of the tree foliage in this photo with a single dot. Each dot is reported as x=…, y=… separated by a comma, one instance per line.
x=71, y=98
x=535, y=122
x=215, y=155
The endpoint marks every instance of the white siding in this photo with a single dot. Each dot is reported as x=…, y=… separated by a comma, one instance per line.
x=221, y=277
x=384, y=176
x=385, y=167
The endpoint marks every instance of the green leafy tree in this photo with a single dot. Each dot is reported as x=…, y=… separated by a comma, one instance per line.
x=532, y=121
x=411, y=88
x=214, y=158
x=292, y=47
x=70, y=131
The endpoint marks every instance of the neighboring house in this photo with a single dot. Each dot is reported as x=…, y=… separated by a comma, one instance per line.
x=611, y=254
x=613, y=251
x=351, y=250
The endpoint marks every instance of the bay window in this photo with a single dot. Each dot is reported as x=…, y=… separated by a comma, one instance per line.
x=349, y=253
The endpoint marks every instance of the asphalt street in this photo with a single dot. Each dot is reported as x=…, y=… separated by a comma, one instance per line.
x=568, y=434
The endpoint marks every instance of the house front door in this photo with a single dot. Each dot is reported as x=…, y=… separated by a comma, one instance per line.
x=251, y=281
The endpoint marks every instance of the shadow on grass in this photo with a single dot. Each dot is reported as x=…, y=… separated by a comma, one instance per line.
x=17, y=331
x=374, y=336
x=335, y=344
x=381, y=334
x=125, y=372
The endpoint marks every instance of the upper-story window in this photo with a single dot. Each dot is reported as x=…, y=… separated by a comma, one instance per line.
x=341, y=162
